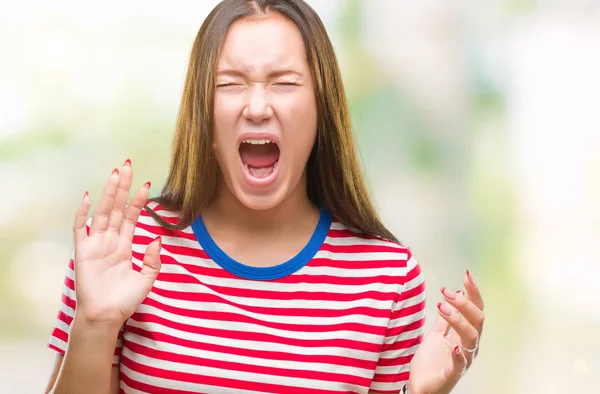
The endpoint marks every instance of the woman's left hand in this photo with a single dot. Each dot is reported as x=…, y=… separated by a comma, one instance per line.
x=449, y=349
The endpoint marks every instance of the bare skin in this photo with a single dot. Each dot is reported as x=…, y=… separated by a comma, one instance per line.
x=263, y=87
x=108, y=290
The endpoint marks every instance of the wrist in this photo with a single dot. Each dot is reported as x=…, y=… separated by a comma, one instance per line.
x=97, y=330
x=411, y=389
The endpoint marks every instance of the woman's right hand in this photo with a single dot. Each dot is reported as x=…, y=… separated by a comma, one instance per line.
x=108, y=289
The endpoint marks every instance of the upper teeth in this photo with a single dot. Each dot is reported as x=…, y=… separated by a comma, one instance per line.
x=257, y=142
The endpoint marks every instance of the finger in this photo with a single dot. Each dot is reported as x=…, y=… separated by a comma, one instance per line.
x=473, y=293
x=79, y=227
x=152, y=264
x=150, y=269
x=101, y=215
x=121, y=197
x=132, y=212
x=466, y=333
x=466, y=307
x=441, y=325
x=459, y=362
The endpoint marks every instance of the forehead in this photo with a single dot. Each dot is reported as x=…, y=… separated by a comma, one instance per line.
x=262, y=44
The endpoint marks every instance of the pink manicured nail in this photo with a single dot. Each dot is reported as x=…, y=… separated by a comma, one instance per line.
x=462, y=293
x=159, y=238
x=470, y=277
x=115, y=171
x=448, y=294
x=127, y=163
x=147, y=185
x=456, y=349
x=86, y=194
x=444, y=309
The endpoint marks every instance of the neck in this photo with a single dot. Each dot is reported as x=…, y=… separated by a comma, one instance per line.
x=228, y=212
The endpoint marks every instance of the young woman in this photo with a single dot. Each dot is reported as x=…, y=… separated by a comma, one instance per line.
x=262, y=266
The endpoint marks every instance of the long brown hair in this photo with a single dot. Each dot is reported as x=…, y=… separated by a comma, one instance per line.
x=334, y=176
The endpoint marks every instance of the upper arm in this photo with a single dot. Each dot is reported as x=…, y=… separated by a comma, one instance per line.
x=404, y=332
x=114, y=376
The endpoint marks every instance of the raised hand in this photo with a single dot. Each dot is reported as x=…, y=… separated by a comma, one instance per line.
x=108, y=289
x=449, y=349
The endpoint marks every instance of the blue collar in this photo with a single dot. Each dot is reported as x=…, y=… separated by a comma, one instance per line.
x=264, y=273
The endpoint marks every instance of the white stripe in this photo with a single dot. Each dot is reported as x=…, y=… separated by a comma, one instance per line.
x=179, y=258
x=385, y=386
x=168, y=240
x=404, y=336
x=405, y=303
x=161, y=212
x=63, y=326
x=248, y=344
x=210, y=355
x=282, y=287
x=277, y=314
x=360, y=241
x=308, y=270
x=332, y=304
x=231, y=374
x=406, y=320
x=392, y=369
x=362, y=256
x=396, y=353
x=176, y=385
x=341, y=226
x=354, y=272
x=123, y=386
x=261, y=329
x=67, y=310
x=59, y=343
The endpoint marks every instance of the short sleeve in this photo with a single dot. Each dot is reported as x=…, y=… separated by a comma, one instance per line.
x=404, y=333
x=66, y=311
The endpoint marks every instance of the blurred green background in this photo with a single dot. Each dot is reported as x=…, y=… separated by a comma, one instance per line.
x=478, y=125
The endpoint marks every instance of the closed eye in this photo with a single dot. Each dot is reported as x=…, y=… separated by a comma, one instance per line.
x=227, y=84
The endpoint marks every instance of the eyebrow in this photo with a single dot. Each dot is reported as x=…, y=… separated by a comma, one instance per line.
x=272, y=74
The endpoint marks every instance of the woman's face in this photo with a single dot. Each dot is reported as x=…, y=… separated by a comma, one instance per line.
x=265, y=115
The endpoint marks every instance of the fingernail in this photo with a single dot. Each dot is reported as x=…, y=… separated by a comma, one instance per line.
x=85, y=195
x=448, y=294
x=159, y=238
x=444, y=309
x=147, y=185
x=470, y=277
x=462, y=293
x=127, y=163
x=457, y=350
x=115, y=171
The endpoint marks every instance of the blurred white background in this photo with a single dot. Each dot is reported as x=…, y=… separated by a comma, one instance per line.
x=478, y=125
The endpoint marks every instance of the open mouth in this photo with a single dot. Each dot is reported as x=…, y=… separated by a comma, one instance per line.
x=259, y=157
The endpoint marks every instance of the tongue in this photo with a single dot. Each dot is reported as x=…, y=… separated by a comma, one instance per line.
x=259, y=156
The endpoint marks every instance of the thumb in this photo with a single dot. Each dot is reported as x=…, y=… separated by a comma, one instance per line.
x=151, y=266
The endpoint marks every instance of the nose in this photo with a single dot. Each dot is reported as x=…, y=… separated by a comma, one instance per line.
x=258, y=107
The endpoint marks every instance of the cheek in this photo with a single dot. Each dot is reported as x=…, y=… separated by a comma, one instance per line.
x=301, y=121
x=224, y=121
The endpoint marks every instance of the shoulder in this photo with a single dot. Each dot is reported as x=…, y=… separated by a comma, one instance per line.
x=156, y=219
x=153, y=213
x=388, y=257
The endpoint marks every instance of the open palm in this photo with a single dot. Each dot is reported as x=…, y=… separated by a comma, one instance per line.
x=108, y=289
x=449, y=349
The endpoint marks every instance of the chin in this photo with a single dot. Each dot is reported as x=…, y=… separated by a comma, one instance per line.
x=260, y=201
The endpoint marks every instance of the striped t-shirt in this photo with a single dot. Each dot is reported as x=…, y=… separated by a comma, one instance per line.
x=345, y=315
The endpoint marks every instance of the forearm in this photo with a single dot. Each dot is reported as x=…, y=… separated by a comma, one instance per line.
x=87, y=364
